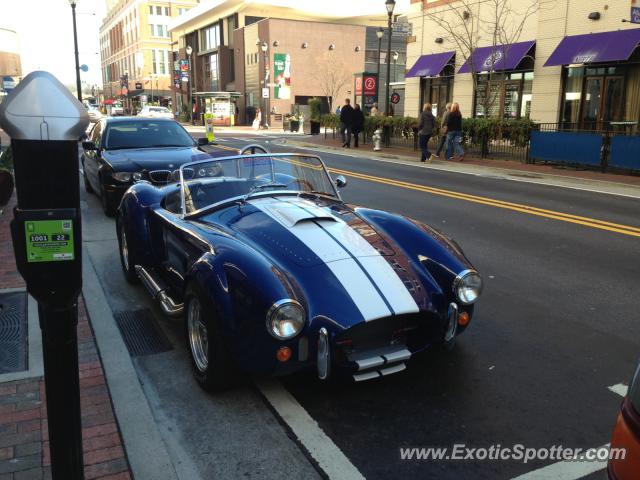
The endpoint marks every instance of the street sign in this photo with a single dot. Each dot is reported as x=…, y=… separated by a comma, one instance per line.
x=395, y=98
x=265, y=93
x=138, y=86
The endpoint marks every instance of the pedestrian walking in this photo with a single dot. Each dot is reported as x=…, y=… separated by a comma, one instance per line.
x=346, y=122
x=443, y=133
x=426, y=126
x=257, y=120
x=358, y=124
x=374, y=110
x=454, y=133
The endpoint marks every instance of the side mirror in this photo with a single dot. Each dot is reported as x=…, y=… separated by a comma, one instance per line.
x=89, y=146
x=203, y=141
x=341, y=181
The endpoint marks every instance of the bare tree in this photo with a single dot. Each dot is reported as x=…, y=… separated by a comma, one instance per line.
x=332, y=77
x=470, y=24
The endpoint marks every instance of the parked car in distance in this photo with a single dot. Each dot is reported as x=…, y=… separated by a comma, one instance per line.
x=117, y=109
x=273, y=273
x=123, y=150
x=626, y=435
x=155, y=112
x=95, y=115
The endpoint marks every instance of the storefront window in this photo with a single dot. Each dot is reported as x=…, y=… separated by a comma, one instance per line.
x=506, y=95
x=211, y=72
x=601, y=97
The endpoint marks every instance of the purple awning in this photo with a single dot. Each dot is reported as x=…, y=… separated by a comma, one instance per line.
x=500, y=57
x=595, y=48
x=430, y=65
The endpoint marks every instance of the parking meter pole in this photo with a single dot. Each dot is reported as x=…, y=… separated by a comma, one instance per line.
x=60, y=355
x=45, y=121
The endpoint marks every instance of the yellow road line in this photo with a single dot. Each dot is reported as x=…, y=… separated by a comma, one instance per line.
x=565, y=217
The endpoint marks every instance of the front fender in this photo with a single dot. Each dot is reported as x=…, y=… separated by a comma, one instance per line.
x=243, y=285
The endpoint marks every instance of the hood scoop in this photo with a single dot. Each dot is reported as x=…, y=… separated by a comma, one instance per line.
x=292, y=214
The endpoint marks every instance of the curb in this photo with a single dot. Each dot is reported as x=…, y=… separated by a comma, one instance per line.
x=146, y=451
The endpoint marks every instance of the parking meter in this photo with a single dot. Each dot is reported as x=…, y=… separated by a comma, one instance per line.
x=44, y=122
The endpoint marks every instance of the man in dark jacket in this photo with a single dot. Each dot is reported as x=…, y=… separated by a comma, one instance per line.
x=358, y=124
x=426, y=126
x=346, y=122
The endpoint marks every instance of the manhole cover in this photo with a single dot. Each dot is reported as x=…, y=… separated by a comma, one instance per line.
x=13, y=332
x=140, y=333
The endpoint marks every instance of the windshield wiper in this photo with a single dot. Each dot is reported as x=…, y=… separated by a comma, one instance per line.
x=258, y=188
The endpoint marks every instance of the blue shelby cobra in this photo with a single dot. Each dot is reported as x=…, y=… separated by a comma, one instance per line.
x=274, y=273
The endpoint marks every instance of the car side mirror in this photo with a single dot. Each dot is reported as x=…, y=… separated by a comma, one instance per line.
x=203, y=141
x=89, y=146
x=341, y=181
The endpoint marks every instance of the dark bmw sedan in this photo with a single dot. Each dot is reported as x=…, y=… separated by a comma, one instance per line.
x=121, y=151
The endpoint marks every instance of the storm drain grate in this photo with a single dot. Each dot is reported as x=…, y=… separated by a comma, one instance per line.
x=140, y=333
x=13, y=332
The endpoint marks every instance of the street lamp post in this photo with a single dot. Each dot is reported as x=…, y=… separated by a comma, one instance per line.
x=189, y=51
x=379, y=34
x=390, y=4
x=265, y=47
x=75, y=44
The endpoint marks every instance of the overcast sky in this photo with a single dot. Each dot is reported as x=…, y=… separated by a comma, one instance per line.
x=45, y=33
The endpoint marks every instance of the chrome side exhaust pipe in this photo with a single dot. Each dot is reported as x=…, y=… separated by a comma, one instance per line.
x=159, y=293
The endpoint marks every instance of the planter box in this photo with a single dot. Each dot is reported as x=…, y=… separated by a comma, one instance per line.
x=315, y=128
x=294, y=125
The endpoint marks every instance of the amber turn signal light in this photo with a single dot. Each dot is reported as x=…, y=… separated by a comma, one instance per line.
x=464, y=319
x=283, y=354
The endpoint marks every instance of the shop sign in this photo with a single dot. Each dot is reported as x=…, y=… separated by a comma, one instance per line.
x=282, y=76
x=184, y=65
x=370, y=85
x=357, y=90
x=395, y=98
x=635, y=11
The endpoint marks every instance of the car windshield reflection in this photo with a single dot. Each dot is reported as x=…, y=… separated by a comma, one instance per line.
x=208, y=183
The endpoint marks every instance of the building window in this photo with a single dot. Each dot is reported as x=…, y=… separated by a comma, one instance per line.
x=596, y=97
x=159, y=60
x=210, y=38
x=506, y=95
x=150, y=9
x=158, y=10
x=182, y=10
x=211, y=72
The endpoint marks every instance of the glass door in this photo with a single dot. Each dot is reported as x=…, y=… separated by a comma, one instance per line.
x=592, y=107
x=613, y=106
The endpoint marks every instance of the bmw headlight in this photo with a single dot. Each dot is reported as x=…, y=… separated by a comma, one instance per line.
x=285, y=319
x=467, y=287
x=123, y=177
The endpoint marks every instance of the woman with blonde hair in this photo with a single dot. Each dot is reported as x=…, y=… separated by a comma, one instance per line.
x=426, y=125
x=454, y=133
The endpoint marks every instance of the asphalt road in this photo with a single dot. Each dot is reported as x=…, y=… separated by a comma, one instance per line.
x=556, y=326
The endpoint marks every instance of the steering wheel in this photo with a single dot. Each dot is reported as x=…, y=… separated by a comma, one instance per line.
x=252, y=149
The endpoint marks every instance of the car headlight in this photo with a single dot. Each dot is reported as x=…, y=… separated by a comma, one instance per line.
x=122, y=176
x=285, y=319
x=467, y=287
x=137, y=176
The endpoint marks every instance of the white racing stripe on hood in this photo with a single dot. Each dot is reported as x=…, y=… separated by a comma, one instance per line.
x=365, y=275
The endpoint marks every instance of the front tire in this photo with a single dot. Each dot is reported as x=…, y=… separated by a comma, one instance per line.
x=212, y=366
x=127, y=258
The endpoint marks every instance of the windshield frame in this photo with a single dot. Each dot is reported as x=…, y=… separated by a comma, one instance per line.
x=181, y=182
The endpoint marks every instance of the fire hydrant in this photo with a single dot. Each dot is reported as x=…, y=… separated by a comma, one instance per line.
x=377, y=140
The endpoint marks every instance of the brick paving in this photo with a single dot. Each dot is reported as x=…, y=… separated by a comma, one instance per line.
x=24, y=440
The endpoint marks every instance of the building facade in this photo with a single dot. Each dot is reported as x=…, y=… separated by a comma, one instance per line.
x=239, y=48
x=10, y=65
x=573, y=62
x=136, y=51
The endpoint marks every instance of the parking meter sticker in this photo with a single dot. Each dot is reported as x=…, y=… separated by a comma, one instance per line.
x=49, y=240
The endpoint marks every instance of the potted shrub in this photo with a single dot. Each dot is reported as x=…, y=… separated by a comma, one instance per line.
x=294, y=122
x=315, y=107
